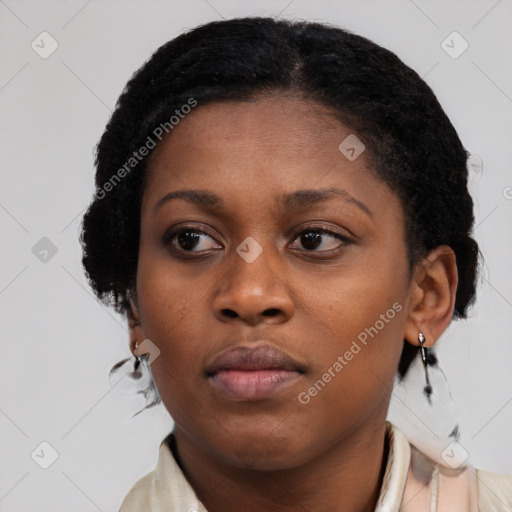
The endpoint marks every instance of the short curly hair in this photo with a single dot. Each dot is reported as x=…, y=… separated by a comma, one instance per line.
x=412, y=145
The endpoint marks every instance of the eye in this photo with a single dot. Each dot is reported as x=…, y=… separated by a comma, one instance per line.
x=188, y=239
x=321, y=240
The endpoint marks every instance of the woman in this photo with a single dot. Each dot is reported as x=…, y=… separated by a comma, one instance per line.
x=282, y=213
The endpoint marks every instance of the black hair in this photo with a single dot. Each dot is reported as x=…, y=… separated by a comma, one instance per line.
x=412, y=144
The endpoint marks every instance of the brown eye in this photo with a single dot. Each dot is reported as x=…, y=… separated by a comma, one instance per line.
x=311, y=241
x=187, y=240
x=321, y=240
x=190, y=240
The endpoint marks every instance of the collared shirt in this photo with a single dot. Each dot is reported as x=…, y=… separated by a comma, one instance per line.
x=412, y=483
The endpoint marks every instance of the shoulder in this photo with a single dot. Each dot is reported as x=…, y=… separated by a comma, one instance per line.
x=447, y=489
x=468, y=487
x=138, y=498
x=164, y=488
x=494, y=491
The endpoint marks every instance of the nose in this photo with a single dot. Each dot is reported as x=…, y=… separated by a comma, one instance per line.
x=253, y=293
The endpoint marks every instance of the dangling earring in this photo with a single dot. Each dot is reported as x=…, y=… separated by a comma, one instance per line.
x=431, y=425
x=136, y=374
x=427, y=359
x=139, y=380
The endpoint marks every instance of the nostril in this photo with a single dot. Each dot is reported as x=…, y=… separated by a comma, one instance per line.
x=271, y=312
x=229, y=312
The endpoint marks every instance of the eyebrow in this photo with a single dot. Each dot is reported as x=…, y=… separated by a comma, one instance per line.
x=291, y=201
x=305, y=198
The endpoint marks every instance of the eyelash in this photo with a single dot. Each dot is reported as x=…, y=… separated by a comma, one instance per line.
x=168, y=238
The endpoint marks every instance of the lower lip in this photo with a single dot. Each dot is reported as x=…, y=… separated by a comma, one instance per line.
x=251, y=385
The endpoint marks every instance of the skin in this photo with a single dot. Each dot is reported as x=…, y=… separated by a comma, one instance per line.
x=279, y=454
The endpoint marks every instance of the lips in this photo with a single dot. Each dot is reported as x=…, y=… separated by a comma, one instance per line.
x=249, y=374
x=260, y=358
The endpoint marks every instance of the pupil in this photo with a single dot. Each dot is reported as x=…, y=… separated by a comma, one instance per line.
x=187, y=239
x=311, y=240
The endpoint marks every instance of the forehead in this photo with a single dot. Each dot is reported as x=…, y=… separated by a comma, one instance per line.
x=284, y=122
x=260, y=149
x=279, y=133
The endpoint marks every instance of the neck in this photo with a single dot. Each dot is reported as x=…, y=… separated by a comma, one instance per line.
x=349, y=474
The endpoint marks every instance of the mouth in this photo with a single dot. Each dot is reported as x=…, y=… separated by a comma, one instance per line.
x=251, y=374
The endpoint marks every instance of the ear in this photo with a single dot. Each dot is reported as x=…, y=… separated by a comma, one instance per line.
x=134, y=323
x=432, y=299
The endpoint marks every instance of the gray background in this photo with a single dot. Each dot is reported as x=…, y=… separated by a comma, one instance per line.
x=58, y=342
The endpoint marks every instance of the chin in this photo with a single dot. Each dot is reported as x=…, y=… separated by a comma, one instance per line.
x=265, y=452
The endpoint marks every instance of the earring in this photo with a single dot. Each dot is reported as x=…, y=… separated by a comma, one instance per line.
x=136, y=374
x=138, y=380
x=427, y=359
x=431, y=425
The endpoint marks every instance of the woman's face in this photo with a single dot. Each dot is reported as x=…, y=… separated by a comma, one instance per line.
x=275, y=284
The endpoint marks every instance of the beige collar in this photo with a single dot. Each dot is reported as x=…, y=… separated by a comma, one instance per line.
x=397, y=467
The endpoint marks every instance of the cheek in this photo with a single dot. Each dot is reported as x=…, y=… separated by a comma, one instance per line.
x=352, y=304
x=173, y=319
x=168, y=298
x=358, y=327
x=354, y=376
